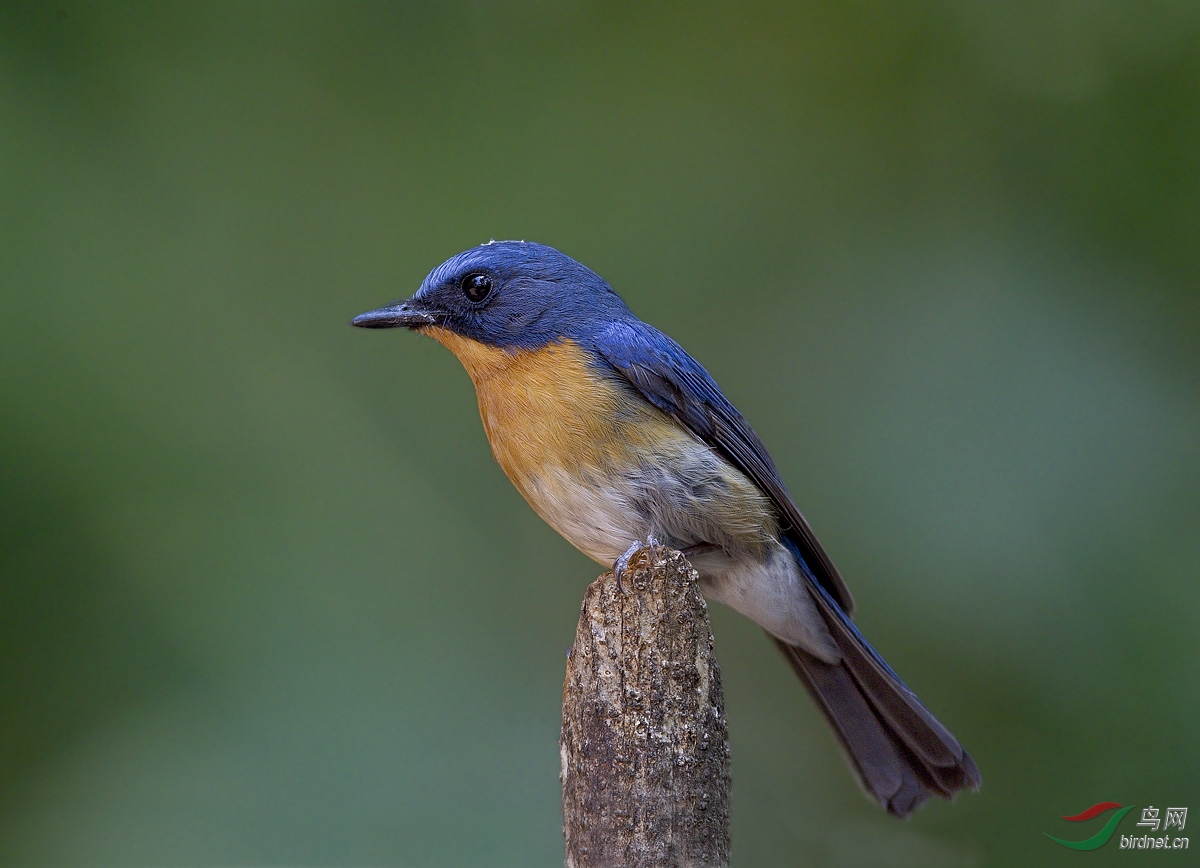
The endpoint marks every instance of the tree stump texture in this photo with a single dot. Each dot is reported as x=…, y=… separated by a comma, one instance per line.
x=645, y=749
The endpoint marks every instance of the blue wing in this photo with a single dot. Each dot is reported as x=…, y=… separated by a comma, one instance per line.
x=900, y=751
x=676, y=383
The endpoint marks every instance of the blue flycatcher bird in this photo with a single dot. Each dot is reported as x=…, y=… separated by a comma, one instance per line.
x=615, y=435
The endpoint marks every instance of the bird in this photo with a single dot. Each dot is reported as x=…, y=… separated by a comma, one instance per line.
x=617, y=437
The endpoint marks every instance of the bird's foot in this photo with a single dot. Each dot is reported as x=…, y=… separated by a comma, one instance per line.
x=621, y=563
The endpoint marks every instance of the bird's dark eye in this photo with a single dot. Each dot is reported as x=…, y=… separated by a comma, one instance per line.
x=477, y=287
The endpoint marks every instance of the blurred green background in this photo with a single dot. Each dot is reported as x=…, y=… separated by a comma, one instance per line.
x=266, y=599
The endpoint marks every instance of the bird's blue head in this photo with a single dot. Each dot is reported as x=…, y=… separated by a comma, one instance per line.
x=513, y=295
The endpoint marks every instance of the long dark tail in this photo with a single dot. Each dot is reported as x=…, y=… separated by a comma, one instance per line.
x=900, y=752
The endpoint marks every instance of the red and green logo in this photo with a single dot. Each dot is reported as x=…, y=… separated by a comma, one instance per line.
x=1100, y=838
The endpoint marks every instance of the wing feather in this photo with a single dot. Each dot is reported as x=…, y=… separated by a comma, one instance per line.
x=678, y=385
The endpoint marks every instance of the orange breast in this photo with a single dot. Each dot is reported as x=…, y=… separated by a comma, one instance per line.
x=579, y=448
x=546, y=409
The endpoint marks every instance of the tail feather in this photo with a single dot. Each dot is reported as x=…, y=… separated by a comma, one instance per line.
x=877, y=761
x=899, y=750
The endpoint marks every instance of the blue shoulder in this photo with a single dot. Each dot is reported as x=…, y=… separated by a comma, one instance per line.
x=663, y=372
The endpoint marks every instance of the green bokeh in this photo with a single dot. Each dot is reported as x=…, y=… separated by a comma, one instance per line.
x=266, y=599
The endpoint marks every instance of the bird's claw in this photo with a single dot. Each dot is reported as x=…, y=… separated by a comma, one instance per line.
x=621, y=563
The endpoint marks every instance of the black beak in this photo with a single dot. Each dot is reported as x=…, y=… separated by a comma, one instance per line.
x=402, y=313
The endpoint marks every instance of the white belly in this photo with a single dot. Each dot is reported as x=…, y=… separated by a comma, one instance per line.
x=596, y=518
x=758, y=577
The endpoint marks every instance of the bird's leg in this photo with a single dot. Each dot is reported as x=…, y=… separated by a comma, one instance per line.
x=622, y=562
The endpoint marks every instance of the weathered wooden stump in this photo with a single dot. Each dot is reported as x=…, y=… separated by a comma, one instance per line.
x=645, y=748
